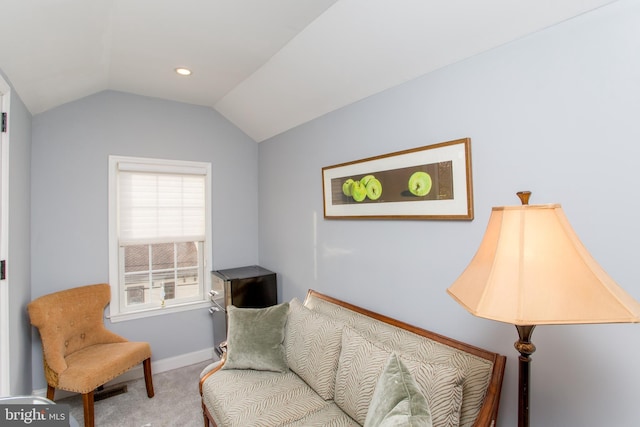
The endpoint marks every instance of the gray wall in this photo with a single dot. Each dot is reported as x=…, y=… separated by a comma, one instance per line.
x=71, y=145
x=19, y=267
x=555, y=113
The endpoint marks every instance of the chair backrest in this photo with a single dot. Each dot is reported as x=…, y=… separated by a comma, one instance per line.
x=69, y=321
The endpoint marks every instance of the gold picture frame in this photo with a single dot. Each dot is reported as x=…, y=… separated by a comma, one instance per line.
x=430, y=182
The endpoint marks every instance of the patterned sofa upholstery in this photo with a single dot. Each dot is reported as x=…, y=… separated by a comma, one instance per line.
x=336, y=352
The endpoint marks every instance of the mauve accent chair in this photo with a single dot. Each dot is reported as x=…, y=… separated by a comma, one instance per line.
x=79, y=352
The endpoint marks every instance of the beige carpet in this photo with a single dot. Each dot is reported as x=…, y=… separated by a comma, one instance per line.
x=176, y=402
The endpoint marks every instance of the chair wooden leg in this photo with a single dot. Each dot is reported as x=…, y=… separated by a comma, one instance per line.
x=51, y=391
x=87, y=402
x=148, y=379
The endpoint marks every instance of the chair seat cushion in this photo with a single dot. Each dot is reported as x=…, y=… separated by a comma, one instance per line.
x=89, y=368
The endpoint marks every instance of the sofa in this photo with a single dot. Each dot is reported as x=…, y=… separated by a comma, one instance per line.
x=326, y=362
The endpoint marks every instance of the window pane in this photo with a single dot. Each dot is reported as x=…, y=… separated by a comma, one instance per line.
x=163, y=286
x=169, y=290
x=138, y=279
x=135, y=285
x=159, y=279
x=136, y=258
x=187, y=276
x=188, y=284
x=187, y=254
x=135, y=295
x=163, y=256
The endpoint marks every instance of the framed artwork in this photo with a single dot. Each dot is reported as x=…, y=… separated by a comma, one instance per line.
x=430, y=182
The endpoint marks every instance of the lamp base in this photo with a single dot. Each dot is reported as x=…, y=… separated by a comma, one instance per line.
x=526, y=348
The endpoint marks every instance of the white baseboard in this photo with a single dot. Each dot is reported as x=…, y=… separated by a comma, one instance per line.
x=157, y=366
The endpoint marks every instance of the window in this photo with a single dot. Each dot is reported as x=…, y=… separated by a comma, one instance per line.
x=159, y=216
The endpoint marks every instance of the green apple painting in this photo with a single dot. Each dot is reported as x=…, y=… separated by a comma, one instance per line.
x=416, y=183
x=431, y=182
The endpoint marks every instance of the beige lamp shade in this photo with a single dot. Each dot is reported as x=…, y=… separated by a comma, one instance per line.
x=531, y=269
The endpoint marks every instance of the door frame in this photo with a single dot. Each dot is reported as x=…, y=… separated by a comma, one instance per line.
x=5, y=330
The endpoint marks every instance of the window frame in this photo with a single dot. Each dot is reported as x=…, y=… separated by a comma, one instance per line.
x=116, y=311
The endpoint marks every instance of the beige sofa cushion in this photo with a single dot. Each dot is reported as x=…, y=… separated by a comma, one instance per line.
x=244, y=397
x=328, y=416
x=359, y=367
x=442, y=387
x=312, y=344
x=361, y=363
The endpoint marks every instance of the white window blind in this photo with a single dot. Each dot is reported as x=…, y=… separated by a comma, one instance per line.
x=159, y=206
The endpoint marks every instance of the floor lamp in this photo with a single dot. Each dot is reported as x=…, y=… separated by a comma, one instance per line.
x=531, y=269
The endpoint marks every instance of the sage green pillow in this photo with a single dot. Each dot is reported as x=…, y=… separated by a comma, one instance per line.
x=397, y=401
x=255, y=338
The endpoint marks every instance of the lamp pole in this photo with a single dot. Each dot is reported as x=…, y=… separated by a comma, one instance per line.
x=526, y=348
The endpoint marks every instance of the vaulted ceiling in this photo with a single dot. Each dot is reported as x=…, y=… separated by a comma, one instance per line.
x=266, y=65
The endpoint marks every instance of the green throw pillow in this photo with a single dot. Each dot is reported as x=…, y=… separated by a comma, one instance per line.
x=397, y=401
x=255, y=338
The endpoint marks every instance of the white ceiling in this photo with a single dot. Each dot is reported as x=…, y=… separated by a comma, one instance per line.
x=266, y=65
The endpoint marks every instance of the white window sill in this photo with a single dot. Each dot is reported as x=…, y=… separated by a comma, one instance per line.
x=158, y=311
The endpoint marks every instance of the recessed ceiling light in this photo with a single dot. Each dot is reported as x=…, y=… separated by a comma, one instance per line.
x=183, y=71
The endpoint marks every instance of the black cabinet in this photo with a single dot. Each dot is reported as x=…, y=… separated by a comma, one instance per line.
x=248, y=287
